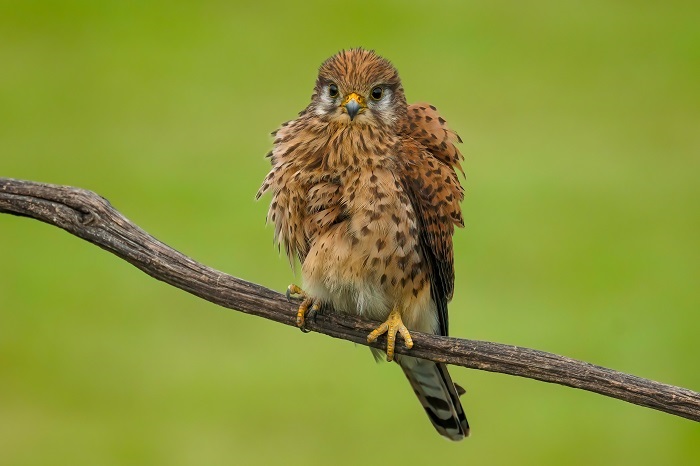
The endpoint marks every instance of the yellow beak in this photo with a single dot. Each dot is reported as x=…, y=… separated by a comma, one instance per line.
x=353, y=103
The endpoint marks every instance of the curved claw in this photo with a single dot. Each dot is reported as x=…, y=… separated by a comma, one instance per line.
x=305, y=313
x=310, y=315
x=308, y=304
x=293, y=290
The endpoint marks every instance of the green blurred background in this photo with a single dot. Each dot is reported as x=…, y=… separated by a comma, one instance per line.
x=581, y=123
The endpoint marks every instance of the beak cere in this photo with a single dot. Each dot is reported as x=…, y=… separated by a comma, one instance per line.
x=352, y=107
x=353, y=104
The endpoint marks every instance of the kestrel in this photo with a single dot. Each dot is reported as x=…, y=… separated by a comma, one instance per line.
x=365, y=193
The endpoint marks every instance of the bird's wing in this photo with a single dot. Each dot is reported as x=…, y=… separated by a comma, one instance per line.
x=289, y=183
x=429, y=177
x=425, y=125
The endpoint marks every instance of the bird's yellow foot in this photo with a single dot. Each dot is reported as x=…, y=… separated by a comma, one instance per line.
x=293, y=290
x=392, y=325
x=308, y=307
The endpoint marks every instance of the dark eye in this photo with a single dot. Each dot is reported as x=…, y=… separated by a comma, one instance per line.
x=333, y=90
x=377, y=93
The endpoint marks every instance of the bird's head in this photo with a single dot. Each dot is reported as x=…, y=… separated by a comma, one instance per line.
x=358, y=87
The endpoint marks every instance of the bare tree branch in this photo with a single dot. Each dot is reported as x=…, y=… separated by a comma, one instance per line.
x=91, y=217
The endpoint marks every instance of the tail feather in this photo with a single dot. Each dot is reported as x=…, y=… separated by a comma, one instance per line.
x=439, y=396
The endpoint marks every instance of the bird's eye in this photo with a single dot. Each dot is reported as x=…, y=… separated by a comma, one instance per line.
x=333, y=90
x=377, y=93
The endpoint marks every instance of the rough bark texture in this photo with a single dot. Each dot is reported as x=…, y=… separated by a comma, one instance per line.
x=91, y=217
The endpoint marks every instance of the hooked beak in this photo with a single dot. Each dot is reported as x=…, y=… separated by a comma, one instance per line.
x=353, y=103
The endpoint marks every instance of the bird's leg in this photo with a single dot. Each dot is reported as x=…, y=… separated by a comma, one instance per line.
x=392, y=325
x=307, y=309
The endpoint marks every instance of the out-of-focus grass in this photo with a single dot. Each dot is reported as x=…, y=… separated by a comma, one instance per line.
x=580, y=123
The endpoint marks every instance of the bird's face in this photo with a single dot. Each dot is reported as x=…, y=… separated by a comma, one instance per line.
x=358, y=87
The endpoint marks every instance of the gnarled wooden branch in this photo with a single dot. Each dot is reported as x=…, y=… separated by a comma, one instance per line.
x=91, y=217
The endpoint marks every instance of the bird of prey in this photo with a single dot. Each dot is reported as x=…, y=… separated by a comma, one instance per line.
x=365, y=193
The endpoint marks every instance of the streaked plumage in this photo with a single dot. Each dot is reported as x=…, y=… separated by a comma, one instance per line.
x=365, y=193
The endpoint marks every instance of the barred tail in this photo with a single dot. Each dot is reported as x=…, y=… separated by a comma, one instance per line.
x=439, y=396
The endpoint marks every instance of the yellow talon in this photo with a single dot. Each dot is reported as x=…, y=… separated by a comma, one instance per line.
x=308, y=304
x=303, y=307
x=293, y=290
x=391, y=326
